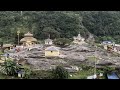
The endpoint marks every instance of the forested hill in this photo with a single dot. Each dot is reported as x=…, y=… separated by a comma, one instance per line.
x=105, y=25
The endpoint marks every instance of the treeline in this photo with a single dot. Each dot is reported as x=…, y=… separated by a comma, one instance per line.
x=105, y=25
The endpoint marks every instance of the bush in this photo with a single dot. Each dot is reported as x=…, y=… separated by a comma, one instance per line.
x=85, y=67
x=27, y=71
x=62, y=42
x=108, y=69
x=10, y=67
x=60, y=73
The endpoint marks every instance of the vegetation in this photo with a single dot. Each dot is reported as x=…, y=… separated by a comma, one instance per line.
x=62, y=42
x=60, y=73
x=107, y=69
x=41, y=74
x=27, y=72
x=10, y=67
x=60, y=24
x=82, y=74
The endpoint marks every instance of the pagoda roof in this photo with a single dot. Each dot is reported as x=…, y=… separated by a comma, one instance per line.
x=28, y=34
x=28, y=39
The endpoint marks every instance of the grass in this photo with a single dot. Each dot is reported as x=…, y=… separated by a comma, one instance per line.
x=92, y=58
x=2, y=76
x=82, y=74
x=87, y=71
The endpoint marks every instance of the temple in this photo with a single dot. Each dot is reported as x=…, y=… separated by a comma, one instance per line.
x=48, y=41
x=78, y=39
x=28, y=39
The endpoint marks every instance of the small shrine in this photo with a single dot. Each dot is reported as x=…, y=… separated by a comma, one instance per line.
x=48, y=42
x=78, y=39
x=52, y=51
x=108, y=44
x=28, y=40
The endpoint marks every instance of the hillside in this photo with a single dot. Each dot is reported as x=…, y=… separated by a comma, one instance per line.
x=103, y=24
x=74, y=55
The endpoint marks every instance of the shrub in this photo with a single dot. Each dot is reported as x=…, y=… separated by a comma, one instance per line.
x=60, y=73
x=62, y=42
x=27, y=72
x=10, y=67
x=107, y=69
x=85, y=67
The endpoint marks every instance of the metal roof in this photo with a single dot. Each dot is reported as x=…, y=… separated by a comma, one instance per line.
x=52, y=48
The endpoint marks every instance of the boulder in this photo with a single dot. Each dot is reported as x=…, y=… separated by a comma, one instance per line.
x=72, y=69
x=102, y=63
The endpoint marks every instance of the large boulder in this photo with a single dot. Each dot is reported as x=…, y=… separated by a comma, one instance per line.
x=103, y=63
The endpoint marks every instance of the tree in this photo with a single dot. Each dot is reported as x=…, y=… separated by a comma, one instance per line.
x=60, y=73
x=10, y=67
x=59, y=24
x=62, y=42
x=50, y=31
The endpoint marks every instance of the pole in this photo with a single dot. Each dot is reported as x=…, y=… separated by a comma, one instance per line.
x=18, y=38
x=95, y=64
x=18, y=32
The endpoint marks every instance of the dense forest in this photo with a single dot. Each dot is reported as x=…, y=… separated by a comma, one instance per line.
x=104, y=25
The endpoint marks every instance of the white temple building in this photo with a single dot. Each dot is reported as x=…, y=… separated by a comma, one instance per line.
x=48, y=42
x=78, y=39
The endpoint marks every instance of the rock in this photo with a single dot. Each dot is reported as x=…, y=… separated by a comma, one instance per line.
x=105, y=63
x=72, y=69
x=75, y=57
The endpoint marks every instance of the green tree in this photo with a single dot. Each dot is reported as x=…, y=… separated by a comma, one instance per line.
x=11, y=67
x=50, y=31
x=62, y=42
x=60, y=73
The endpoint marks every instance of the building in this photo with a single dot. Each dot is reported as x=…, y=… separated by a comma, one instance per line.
x=117, y=48
x=78, y=39
x=28, y=40
x=48, y=42
x=7, y=46
x=21, y=74
x=107, y=44
x=52, y=51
